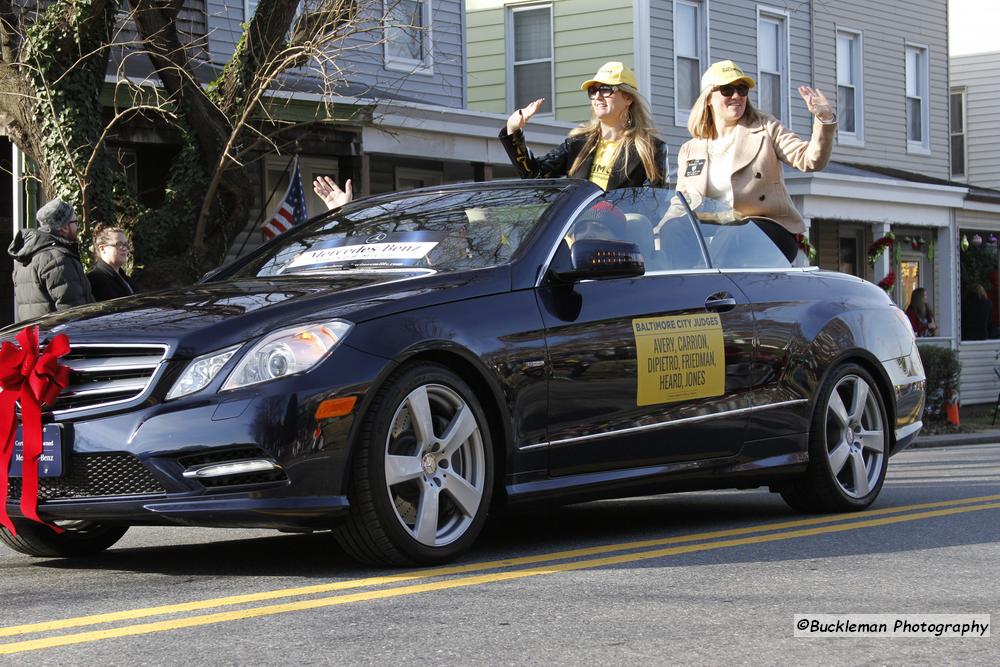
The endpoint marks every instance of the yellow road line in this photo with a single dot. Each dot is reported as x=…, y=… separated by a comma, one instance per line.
x=317, y=603
x=198, y=605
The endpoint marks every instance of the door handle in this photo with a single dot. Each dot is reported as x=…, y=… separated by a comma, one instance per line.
x=720, y=302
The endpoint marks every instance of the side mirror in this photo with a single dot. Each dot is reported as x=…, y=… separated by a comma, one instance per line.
x=596, y=259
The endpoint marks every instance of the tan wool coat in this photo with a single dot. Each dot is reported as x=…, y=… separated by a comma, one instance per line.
x=757, y=179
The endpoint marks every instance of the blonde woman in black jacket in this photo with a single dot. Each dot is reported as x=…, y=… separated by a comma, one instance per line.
x=618, y=148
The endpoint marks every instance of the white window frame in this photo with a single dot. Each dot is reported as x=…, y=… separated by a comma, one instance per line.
x=509, y=51
x=922, y=147
x=783, y=18
x=681, y=115
x=411, y=65
x=964, y=176
x=642, y=36
x=856, y=138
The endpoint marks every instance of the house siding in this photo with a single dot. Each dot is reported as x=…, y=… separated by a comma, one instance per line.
x=979, y=75
x=225, y=28
x=978, y=382
x=487, y=67
x=192, y=26
x=364, y=66
x=586, y=34
x=886, y=28
x=732, y=28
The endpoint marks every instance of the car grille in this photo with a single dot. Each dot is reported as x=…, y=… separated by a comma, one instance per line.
x=102, y=375
x=95, y=476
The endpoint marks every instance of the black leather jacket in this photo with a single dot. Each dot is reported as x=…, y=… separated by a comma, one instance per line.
x=558, y=161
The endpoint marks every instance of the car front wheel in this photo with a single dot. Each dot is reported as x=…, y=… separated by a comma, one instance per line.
x=849, y=443
x=422, y=471
x=79, y=538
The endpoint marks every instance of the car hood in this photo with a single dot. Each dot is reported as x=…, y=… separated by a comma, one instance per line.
x=209, y=316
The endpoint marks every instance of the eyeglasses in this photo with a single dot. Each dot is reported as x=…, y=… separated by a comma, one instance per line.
x=604, y=90
x=120, y=246
x=740, y=89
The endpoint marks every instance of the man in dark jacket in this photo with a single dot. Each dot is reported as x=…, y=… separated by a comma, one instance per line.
x=48, y=274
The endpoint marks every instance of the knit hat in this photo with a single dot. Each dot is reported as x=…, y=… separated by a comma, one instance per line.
x=54, y=215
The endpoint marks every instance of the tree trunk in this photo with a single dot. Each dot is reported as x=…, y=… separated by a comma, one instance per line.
x=64, y=60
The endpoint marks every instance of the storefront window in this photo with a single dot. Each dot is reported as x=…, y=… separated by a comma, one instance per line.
x=980, y=284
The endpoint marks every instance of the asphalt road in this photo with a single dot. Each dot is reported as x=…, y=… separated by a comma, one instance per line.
x=697, y=578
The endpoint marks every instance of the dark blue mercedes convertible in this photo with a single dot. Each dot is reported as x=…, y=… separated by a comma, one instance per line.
x=399, y=368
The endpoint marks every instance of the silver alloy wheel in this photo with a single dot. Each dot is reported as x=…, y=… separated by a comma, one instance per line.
x=435, y=465
x=855, y=436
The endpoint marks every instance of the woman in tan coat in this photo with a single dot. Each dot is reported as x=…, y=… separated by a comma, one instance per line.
x=736, y=151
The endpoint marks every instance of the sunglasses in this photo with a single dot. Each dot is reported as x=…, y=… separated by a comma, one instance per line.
x=740, y=89
x=604, y=90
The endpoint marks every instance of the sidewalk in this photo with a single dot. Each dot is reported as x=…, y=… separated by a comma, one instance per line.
x=955, y=439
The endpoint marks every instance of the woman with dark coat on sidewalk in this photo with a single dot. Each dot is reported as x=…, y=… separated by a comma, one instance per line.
x=107, y=278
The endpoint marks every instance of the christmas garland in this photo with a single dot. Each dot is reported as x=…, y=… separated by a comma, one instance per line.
x=806, y=247
x=888, y=282
x=876, y=249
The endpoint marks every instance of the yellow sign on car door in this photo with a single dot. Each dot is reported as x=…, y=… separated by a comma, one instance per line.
x=679, y=358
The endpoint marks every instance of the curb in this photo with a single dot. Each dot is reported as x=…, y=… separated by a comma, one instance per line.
x=955, y=439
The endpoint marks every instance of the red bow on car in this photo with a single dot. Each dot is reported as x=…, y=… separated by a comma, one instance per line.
x=34, y=377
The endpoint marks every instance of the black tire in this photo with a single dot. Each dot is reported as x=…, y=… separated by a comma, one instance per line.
x=450, y=474
x=78, y=539
x=857, y=448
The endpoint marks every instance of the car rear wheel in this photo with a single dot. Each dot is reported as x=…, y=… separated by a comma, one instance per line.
x=422, y=471
x=849, y=443
x=79, y=538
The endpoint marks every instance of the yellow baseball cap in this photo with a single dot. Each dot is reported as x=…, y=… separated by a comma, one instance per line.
x=724, y=72
x=613, y=73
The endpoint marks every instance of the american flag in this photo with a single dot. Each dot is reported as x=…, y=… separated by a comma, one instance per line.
x=292, y=209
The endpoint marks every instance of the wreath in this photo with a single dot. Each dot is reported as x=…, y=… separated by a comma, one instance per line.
x=888, y=282
x=876, y=249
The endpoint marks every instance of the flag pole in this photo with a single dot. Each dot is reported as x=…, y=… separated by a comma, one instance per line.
x=260, y=216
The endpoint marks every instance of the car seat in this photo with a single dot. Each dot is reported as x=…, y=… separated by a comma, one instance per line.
x=639, y=230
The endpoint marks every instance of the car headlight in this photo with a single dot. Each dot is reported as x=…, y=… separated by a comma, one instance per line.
x=200, y=372
x=287, y=352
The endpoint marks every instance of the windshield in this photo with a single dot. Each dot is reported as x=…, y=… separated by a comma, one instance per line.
x=738, y=242
x=670, y=239
x=424, y=232
x=654, y=219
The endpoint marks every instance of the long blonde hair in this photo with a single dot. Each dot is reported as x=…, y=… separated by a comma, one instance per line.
x=640, y=132
x=701, y=122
